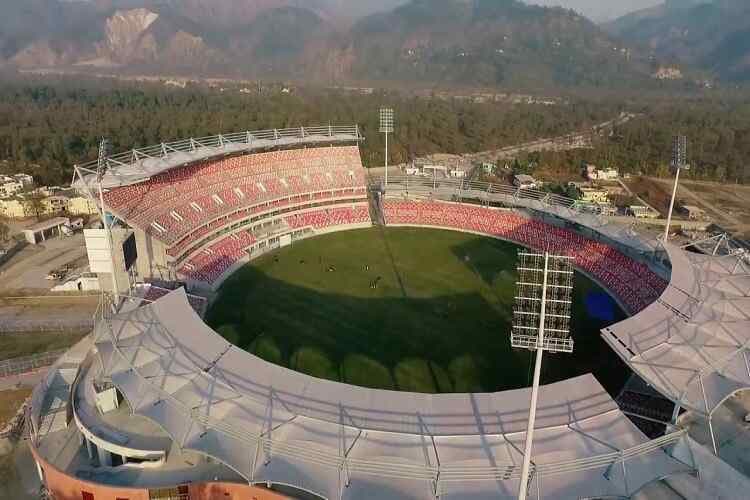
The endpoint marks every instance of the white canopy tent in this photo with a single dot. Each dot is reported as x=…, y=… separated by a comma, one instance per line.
x=271, y=424
x=692, y=343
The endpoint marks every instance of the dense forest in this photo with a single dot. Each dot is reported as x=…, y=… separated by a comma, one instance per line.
x=718, y=131
x=46, y=126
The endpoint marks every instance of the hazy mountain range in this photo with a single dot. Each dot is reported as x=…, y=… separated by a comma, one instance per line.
x=713, y=35
x=599, y=10
x=473, y=42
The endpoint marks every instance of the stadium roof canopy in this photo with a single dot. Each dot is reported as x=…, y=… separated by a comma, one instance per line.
x=138, y=165
x=692, y=343
x=269, y=423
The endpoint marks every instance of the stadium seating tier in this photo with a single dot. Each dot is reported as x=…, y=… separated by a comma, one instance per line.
x=632, y=282
x=174, y=204
x=211, y=263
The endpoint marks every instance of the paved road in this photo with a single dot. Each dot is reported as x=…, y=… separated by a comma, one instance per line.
x=561, y=143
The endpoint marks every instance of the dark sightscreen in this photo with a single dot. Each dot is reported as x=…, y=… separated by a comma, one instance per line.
x=129, y=251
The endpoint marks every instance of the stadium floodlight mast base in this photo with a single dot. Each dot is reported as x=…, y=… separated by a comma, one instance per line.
x=543, y=303
x=679, y=162
x=88, y=178
x=100, y=171
x=386, y=127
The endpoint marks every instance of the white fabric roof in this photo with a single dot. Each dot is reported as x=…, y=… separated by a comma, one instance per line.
x=692, y=343
x=272, y=424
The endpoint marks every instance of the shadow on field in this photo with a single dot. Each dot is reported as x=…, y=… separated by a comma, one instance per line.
x=450, y=343
x=483, y=264
x=494, y=273
x=394, y=266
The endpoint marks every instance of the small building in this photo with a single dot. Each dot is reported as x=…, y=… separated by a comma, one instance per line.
x=667, y=73
x=458, y=173
x=489, y=168
x=592, y=173
x=692, y=212
x=55, y=204
x=47, y=229
x=25, y=179
x=525, y=181
x=609, y=174
x=642, y=212
x=432, y=171
x=607, y=210
x=589, y=171
x=81, y=205
x=9, y=186
x=87, y=282
x=594, y=195
x=15, y=208
x=46, y=201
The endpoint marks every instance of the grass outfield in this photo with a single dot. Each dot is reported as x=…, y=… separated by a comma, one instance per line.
x=438, y=320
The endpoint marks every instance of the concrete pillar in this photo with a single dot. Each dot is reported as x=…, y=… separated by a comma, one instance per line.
x=105, y=458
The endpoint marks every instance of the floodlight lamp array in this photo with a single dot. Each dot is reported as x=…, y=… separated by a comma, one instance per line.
x=527, y=310
x=679, y=152
x=386, y=120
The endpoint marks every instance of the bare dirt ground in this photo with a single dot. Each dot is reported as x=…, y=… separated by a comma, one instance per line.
x=727, y=205
x=24, y=276
x=47, y=313
x=652, y=191
x=25, y=272
x=731, y=202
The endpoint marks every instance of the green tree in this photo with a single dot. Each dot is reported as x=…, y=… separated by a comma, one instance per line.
x=36, y=204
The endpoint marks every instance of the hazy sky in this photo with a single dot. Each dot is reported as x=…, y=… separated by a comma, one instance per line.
x=599, y=10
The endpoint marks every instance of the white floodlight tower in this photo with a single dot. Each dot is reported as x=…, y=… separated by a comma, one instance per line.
x=679, y=162
x=541, y=322
x=386, y=127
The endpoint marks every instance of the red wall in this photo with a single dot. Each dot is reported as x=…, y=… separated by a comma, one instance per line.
x=231, y=491
x=65, y=487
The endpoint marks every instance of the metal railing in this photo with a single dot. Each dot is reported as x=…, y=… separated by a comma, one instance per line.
x=267, y=446
x=484, y=189
x=586, y=215
x=26, y=364
x=259, y=138
x=62, y=326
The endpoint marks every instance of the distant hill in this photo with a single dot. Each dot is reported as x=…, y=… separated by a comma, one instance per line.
x=468, y=42
x=711, y=35
x=488, y=42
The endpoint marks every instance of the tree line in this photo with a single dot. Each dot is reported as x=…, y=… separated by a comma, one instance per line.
x=47, y=126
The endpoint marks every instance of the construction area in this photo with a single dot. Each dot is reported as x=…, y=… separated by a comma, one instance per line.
x=726, y=205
